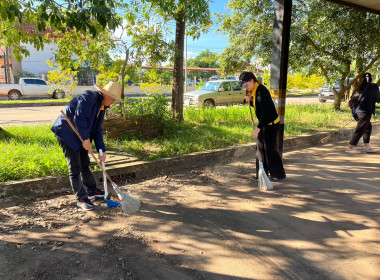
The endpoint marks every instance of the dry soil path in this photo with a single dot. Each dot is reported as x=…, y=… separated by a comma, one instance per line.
x=210, y=223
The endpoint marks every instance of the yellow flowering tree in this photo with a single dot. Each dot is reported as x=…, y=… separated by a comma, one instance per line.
x=64, y=78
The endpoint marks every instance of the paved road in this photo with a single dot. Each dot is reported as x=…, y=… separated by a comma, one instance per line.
x=29, y=115
x=48, y=114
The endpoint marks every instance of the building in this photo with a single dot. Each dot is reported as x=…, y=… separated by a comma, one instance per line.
x=35, y=64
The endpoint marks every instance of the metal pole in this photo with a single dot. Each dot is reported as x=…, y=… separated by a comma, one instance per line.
x=185, y=60
x=279, y=64
x=6, y=66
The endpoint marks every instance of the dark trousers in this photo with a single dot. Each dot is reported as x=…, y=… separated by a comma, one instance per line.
x=267, y=145
x=79, y=170
x=363, y=128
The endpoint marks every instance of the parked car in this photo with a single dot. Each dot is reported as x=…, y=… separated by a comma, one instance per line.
x=327, y=92
x=214, y=93
x=31, y=87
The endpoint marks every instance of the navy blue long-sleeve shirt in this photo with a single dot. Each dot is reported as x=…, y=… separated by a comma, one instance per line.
x=84, y=111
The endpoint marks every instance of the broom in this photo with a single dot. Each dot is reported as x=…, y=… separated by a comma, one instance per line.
x=327, y=138
x=264, y=184
x=110, y=203
x=129, y=204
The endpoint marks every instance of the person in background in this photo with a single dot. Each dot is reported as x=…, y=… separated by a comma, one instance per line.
x=259, y=98
x=362, y=104
x=86, y=112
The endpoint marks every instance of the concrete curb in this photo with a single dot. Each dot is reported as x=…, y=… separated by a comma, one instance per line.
x=146, y=169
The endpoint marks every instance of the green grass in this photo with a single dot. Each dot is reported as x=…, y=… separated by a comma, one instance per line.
x=302, y=93
x=30, y=152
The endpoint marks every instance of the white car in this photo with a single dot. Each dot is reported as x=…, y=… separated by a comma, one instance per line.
x=214, y=93
x=31, y=87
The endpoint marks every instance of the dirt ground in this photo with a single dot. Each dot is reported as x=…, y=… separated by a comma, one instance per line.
x=323, y=222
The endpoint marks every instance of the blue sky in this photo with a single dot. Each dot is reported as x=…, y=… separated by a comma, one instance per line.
x=211, y=41
x=215, y=42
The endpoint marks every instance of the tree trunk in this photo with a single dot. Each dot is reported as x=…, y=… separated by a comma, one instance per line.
x=177, y=91
x=123, y=79
x=123, y=72
x=338, y=101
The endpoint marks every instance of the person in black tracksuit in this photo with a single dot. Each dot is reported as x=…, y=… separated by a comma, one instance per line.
x=362, y=104
x=269, y=122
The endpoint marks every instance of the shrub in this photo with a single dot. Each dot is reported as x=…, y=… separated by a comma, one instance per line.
x=147, y=117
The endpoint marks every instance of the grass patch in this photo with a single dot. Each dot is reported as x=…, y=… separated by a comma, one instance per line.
x=29, y=152
x=301, y=93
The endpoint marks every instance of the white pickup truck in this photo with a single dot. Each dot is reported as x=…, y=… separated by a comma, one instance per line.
x=31, y=87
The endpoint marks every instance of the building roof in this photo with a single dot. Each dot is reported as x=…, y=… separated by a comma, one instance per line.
x=372, y=6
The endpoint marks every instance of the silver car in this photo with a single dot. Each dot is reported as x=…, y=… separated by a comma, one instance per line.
x=214, y=93
x=327, y=92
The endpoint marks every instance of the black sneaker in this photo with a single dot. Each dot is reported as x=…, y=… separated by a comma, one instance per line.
x=274, y=179
x=85, y=204
x=96, y=194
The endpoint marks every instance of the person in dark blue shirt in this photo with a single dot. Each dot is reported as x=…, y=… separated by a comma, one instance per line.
x=362, y=104
x=86, y=112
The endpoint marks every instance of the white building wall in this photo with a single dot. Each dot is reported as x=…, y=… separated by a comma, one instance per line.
x=36, y=62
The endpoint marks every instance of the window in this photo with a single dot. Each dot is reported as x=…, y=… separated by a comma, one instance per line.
x=226, y=86
x=40, y=82
x=236, y=85
x=210, y=86
x=29, y=81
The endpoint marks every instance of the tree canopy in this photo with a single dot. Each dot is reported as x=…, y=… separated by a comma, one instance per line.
x=326, y=39
x=35, y=22
x=206, y=59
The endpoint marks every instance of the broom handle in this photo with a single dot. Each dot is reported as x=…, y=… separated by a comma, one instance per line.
x=253, y=127
x=91, y=152
x=104, y=175
x=252, y=121
x=347, y=123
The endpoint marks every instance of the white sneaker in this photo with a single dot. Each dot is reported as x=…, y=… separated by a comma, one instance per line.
x=353, y=151
x=369, y=150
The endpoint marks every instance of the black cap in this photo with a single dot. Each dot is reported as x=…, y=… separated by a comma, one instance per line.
x=245, y=77
x=367, y=76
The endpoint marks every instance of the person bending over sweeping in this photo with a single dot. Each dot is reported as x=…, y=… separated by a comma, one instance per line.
x=259, y=98
x=86, y=111
x=362, y=104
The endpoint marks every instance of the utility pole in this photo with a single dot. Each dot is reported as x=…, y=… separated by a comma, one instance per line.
x=185, y=60
x=279, y=65
x=7, y=67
